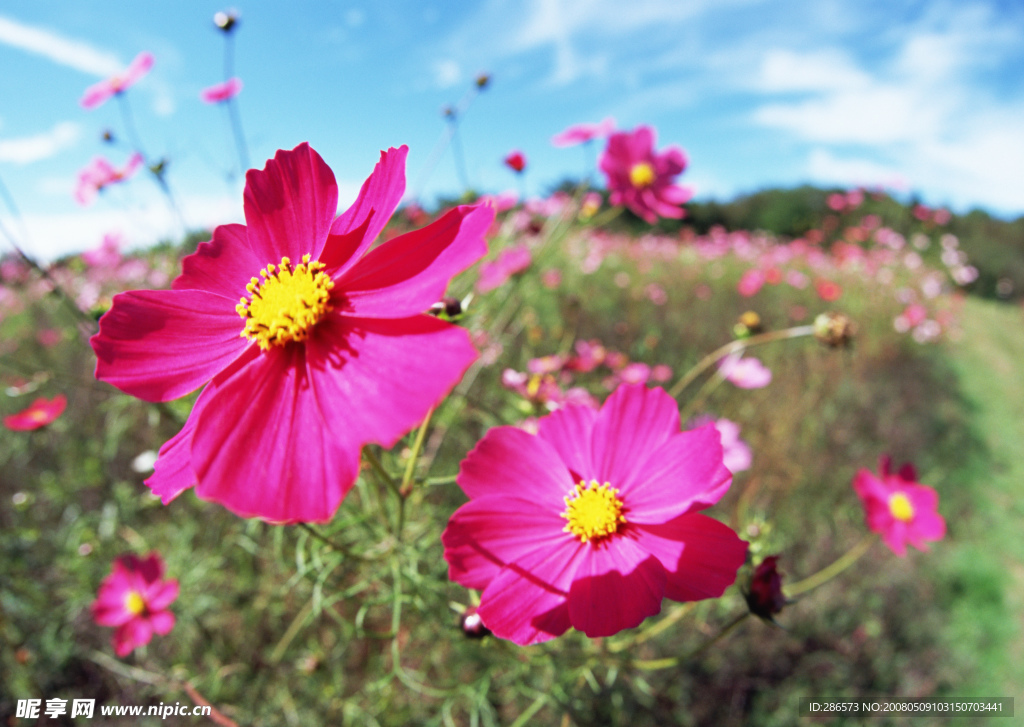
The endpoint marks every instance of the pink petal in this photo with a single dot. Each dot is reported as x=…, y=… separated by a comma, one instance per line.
x=685, y=473
x=161, y=595
x=616, y=587
x=632, y=424
x=485, y=535
x=135, y=633
x=895, y=536
x=928, y=526
x=162, y=622
x=700, y=555
x=410, y=273
x=150, y=568
x=224, y=265
x=289, y=205
x=356, y=228
x=96, y=94
x=108, y=608
x=139, y=67
x=270, y=445
x=509, y=461
x=570, y=431
x=526, y=603
x=162, y=344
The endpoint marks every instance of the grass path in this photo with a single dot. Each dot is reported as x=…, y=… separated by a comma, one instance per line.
x=989, y=364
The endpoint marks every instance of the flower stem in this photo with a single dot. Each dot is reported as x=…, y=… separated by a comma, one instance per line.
x=603, y=218
x=379, y=470
x=829, y=572
x=735, y=347
x=410, y=468
x=668, y=663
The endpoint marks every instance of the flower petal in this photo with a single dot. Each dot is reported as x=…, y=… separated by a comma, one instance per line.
x=289, y=205
x=632, y=424
x=570, y=430
x=616, y=587
x=356, y=228
x=162, y=344
x=224, y=265
x=268, y=444
x=700, y=555
x=162, y=622
x=526, y=603
x=410, y=273
x=160, y=595
x=685, y=473
x=135, y=633
x=509, y=461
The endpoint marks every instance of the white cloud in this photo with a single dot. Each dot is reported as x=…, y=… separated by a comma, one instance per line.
x=66, y=51
x=27, y=149
x=447, y=73
x=825, y=70
x=825, y=167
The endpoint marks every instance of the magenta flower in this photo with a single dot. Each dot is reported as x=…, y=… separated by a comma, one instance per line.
x=582, y=133
x=219, y=92
x=100, y=174
x=107, y=255
x=593, y=521
x=641, y=178
x=40, y=412
x=96, y=94
x=310, y=344
x=746, y=373
x=516, y=161
x=134, y=598
x=898, y=507
x=510, y=261
x=736, y=453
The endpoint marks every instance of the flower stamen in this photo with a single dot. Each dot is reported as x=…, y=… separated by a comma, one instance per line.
x=900, y=507
x=134, y=604
x=641, y=174
x=594, y=511
x=286, y=304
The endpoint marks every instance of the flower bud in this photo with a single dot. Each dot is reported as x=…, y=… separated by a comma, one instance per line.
x=748, y=324
x=834, y=329
x=765, y=597
x=472, y=625
x=482, y=80
x=448, y=306
x=226, y=20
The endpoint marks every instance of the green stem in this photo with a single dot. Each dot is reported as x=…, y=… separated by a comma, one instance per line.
x=735, y=347
x=378, y=468
x=603, y=218
x=829, y=572
x=417, y=446
x=668, y=663
x=329, y=542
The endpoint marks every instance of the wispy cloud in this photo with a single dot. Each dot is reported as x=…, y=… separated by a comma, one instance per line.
x=28, y=149
x=66, y=51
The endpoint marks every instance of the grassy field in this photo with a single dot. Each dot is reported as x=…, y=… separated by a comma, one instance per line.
x=276, y=626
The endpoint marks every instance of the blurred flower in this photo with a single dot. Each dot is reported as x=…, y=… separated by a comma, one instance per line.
x=834, y=329
x=40, y=412
x=746, y=373
x=589, y=355
x=765, y=597
x=582, y=133
x=661, y=373
x=827, y=290
x=837, y=202
x=96, y=94
x=551, y=278
x=503, y=201
x=100, y=174
x=593, y=521
x=219, y=92
x=635, y=373
x=516, y=161
x=591, y=204
x=49, y=337
x=898, y=507
x=736, y=453
x=324, y=353
x=134, y=598
x=656, y=294
x=510, y=261
x=749, y=323
x=107, y=255
x=750, y=282
x=642, y=179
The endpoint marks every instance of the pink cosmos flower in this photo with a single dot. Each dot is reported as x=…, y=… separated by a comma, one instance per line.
x=134, y=598
x=510, y=261
x=641, y=178
x=219, y=92
x=751, y=282
x=746, y=373
x=516, y=161
x=98, y=93
x=40, y=412
x=100, y=173
x=827, y=290
x=107, y=255
x=593, y=521
x=309, y=345
x=582, y=133
x=736, y=453
x=899, y=508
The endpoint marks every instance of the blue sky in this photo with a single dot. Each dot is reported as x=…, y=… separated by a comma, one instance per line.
x=915, y=95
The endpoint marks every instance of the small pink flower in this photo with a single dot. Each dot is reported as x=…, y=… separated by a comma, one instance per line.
x=661, y=373
x=736, y=453
x=96, y=94
x=107, y=255
x=898, y=507
x=837, y=202
x=590, y=355
x=593, y=521
x=516, y=161
x=134, y=598
x=40, y=412
x=307, y=343
x=751, y=282
x=582, y=133
x=100, y=173
x=49, y=337
x=746, y=373
x=502, y=202
x=219, y=92
x=827, y=290
x=510, y=261
x=635, y=373
x=551, y=278
x=642, y=179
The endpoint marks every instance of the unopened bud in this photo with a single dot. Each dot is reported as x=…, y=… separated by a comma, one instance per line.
x=472, y=625
x=450, y=307
x=748, y=324
x=107, y=136
x=226, y=20
x=765, y=597
x=482, y=80
x=834, y=329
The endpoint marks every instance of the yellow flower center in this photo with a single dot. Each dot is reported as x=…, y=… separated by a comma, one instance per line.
x=594, y=511
x=133, y=603
x=641, y=175
x=286, y=304
x=900, y=507
x=38, y=415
